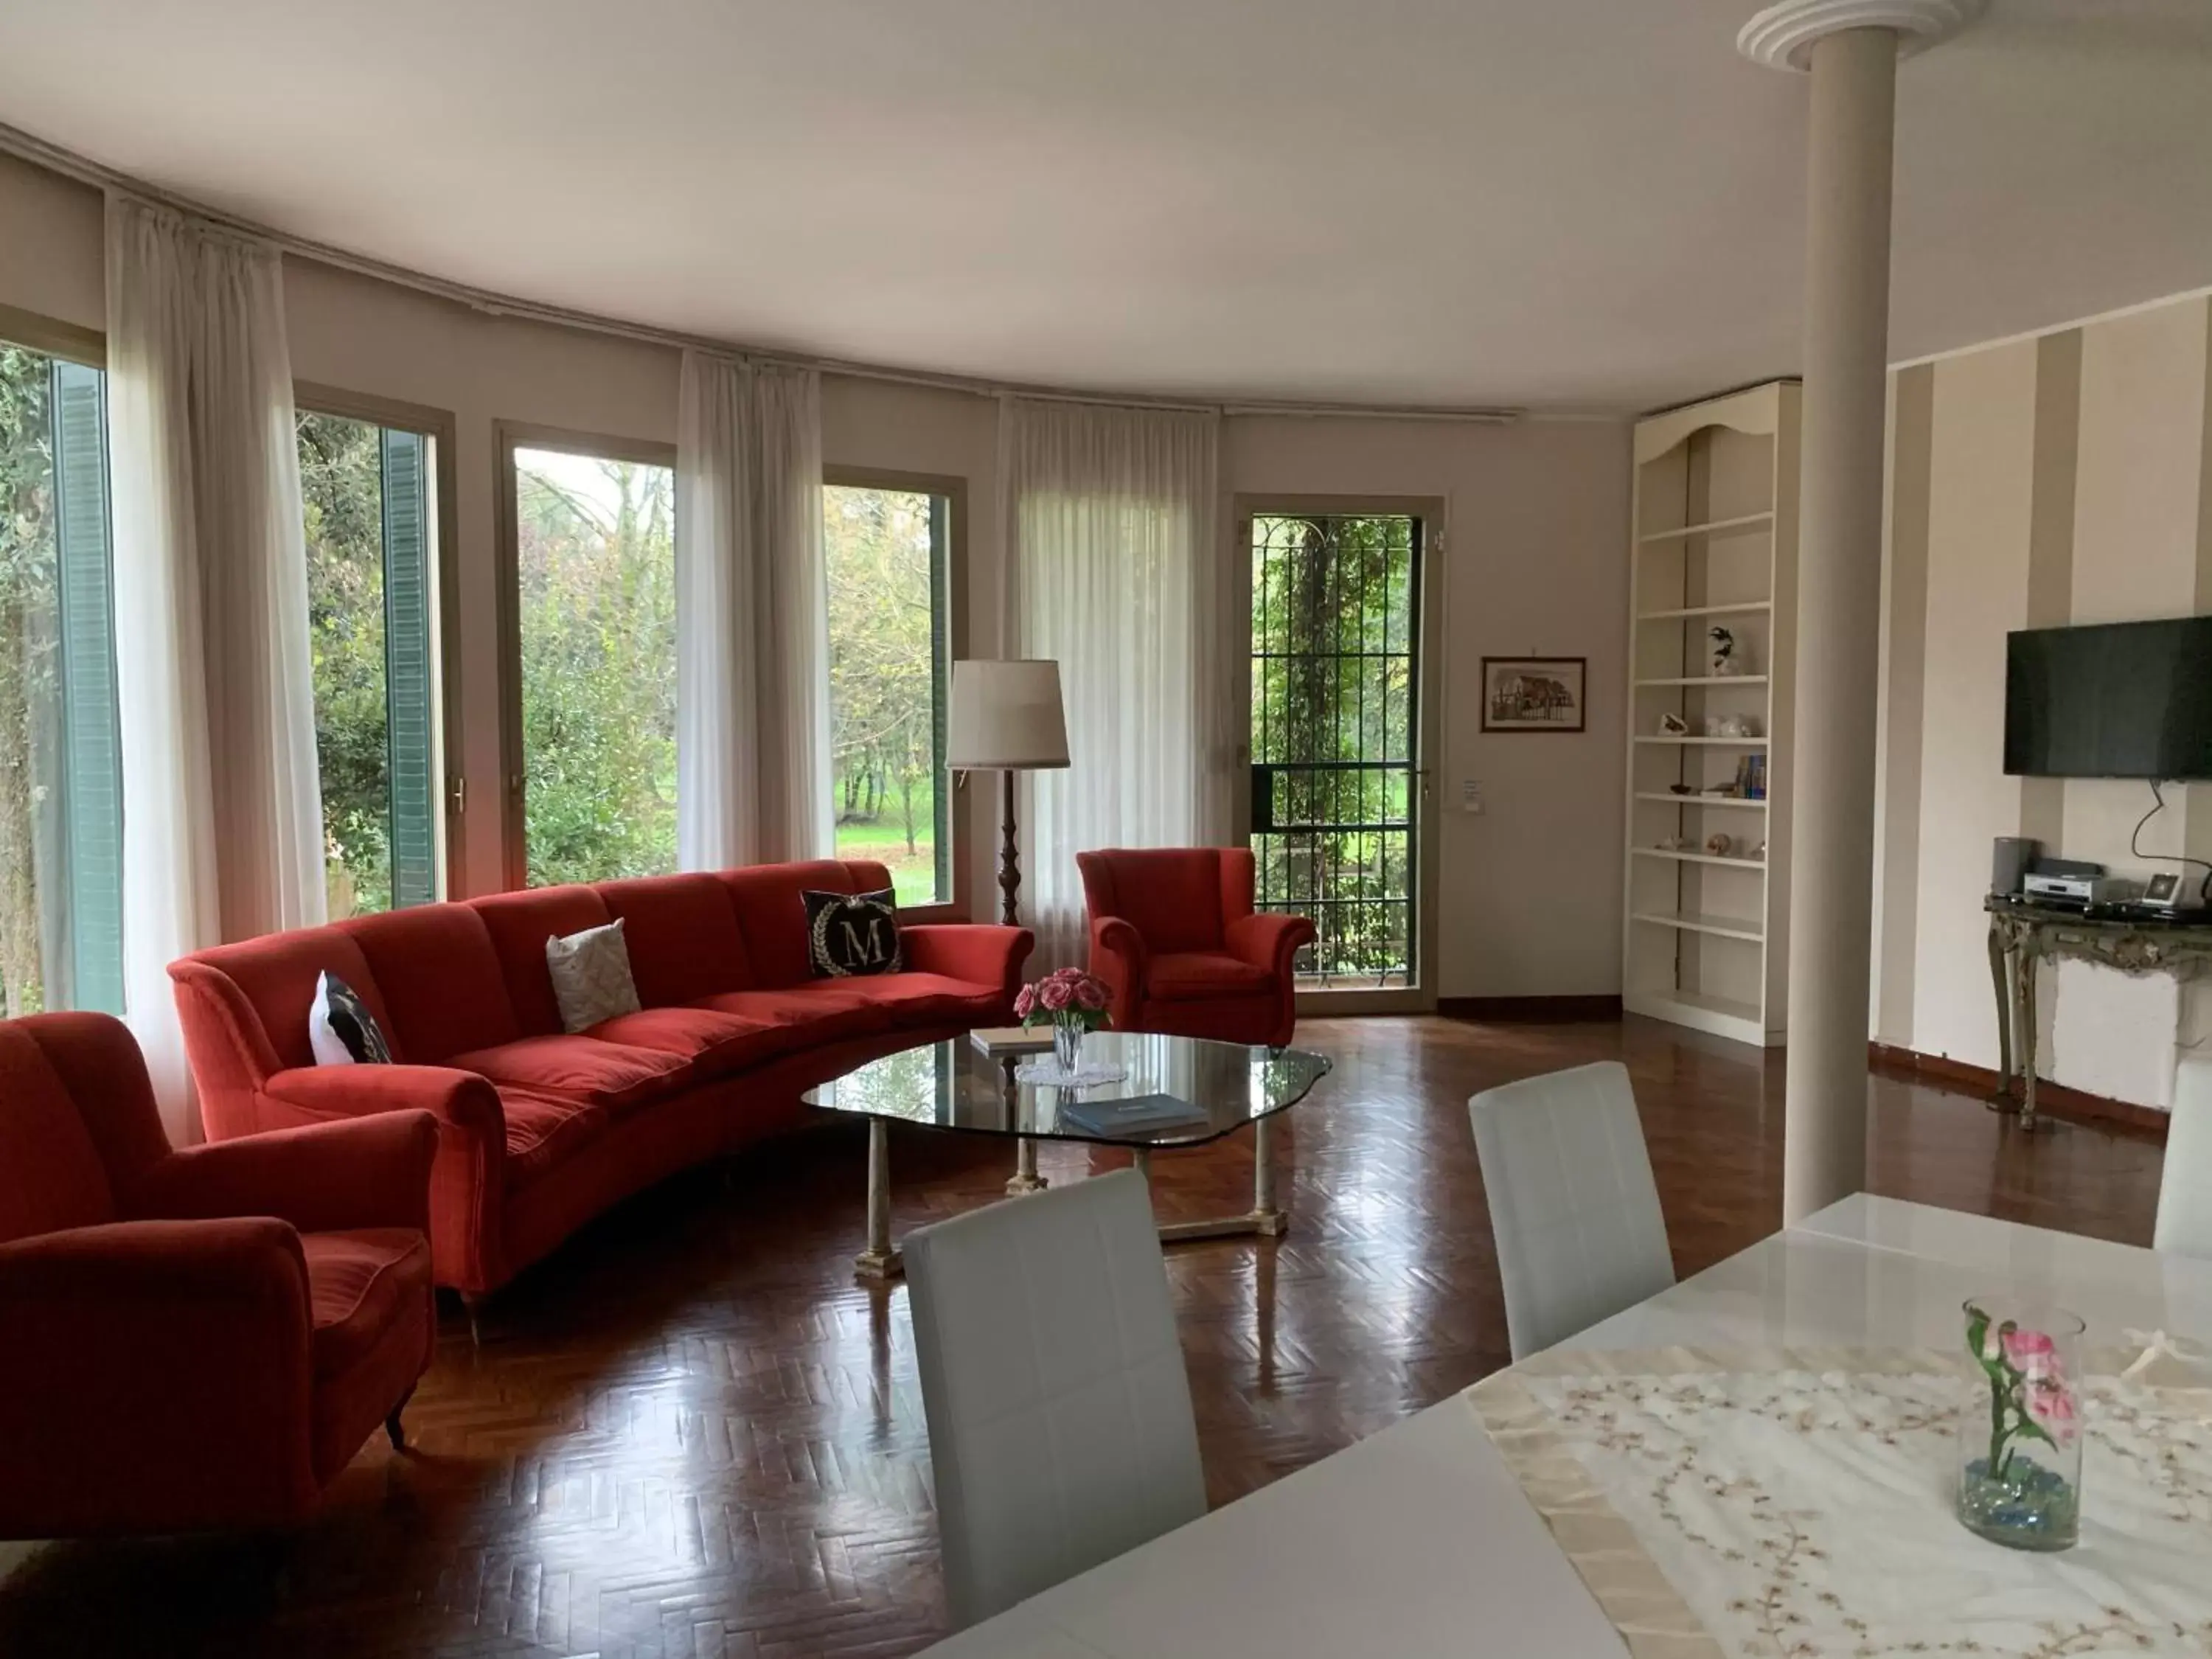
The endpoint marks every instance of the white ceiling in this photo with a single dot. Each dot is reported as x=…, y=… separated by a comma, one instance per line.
x=1557, y=204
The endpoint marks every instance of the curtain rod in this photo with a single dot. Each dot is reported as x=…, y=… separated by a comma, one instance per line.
x=488, y=303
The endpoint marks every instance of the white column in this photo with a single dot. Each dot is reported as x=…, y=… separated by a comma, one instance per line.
x=1851, y=48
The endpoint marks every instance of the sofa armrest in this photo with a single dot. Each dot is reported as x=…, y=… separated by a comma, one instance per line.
x=164, y=1369
x=1120, y=956
x=1270, y=939
x=980, y=953
x=468, y=1179
x=321, y=1177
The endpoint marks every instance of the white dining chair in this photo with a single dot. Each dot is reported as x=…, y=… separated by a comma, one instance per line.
x=1059, y=1418
x=2184, y=1184
x=1572, y=1202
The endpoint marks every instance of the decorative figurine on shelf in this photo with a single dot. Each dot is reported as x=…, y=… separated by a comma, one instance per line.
x=1681, y=789
x=1758, y=854
x=1731, y=725
x=1673, y=844
x=1719, y=843
x=1672, y=725
x=1726, y=663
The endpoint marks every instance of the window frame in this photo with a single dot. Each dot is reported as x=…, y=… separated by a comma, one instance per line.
x=507, y=437
x=52, y=337
x=954, y=491
x=439, y=426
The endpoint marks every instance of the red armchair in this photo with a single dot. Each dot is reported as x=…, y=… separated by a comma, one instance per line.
x=194, y=1339
x=1174, y=936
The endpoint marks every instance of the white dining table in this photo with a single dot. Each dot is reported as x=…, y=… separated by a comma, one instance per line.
x=1418, y=1542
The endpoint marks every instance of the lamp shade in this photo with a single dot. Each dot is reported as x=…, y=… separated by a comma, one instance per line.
x=1005, y=716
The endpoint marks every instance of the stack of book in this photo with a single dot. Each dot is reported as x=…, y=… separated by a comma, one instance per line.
x=1139, y=1115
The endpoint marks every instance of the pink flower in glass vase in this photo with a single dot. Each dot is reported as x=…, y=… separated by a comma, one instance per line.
x=2032, y=1353
x=1025, y=1002
x=2050, y=1401
x=1056, y=993
x=1090, y=993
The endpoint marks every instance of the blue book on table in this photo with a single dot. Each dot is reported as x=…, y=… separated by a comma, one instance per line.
x=1140, y=1112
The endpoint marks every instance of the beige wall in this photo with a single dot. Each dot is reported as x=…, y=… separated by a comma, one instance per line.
x=1538, y=518
x=2032, y=483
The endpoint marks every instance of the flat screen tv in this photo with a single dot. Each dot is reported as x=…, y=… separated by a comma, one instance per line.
x=2120, y=700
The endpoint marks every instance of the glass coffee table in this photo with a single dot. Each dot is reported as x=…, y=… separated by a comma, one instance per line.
x=954, y=1086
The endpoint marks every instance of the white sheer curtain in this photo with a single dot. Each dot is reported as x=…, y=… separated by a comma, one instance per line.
x=1113, y=519
x=222, y=830
x=752, y=618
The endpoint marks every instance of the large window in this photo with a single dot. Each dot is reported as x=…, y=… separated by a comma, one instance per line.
x=61, y=789
x=890, y=652
x=595, y=628
x=372, y=553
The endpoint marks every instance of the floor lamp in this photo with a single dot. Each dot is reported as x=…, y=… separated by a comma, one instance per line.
x=1005, y=717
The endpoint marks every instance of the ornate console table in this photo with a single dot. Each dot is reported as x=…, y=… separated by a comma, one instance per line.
x=2022, y=934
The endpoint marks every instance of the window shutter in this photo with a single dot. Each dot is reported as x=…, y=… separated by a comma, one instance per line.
x=93, y=777
x=410, y=687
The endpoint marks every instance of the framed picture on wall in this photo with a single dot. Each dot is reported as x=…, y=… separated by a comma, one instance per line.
x=1533, y=694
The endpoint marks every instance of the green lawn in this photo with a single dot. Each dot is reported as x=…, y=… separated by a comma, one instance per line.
x=915, y=877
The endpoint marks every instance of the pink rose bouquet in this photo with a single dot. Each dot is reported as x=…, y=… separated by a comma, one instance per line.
x=1069, y=997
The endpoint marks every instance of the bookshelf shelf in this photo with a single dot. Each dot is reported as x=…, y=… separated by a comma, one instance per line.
x=1748, y=521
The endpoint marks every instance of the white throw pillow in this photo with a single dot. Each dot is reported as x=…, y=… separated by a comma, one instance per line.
x=591, y=976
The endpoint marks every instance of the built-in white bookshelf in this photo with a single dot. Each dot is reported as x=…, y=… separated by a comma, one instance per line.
x=1705, y=942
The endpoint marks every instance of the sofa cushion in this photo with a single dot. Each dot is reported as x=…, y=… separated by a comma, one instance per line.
x=716, y=1044
x=359, y=1284
x=612, y=1074
x=545, y=1130
x=912, y=998
x=439, y=979
x=684, y=943
x=772, y=913
x=825, y=1011
x=519, y=924
x=1193, y=975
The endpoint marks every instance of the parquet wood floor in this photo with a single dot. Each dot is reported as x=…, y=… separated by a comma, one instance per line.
x=692, y=1435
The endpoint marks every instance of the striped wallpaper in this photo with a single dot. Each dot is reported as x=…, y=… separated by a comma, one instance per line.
x=2064, y=478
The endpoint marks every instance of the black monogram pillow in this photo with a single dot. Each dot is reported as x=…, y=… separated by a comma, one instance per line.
x=340, y=1029
x=851, y=933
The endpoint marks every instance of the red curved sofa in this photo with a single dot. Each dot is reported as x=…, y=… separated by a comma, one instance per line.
x=539, y=1130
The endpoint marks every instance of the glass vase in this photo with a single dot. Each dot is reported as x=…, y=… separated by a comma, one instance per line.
x=2019, y=1428
x=1067, y=1045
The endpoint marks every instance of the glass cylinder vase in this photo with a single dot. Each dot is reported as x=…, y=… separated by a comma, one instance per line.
x=1067, y=1045
x=2019, y=1428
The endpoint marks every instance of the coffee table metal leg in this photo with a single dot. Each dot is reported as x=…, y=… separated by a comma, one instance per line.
x=1266, y=1218
x=879, y=1261
x=1270, y=1220
x=1025, y=1178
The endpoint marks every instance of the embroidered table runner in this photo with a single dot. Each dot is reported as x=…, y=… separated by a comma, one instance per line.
x=1798, y=1505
